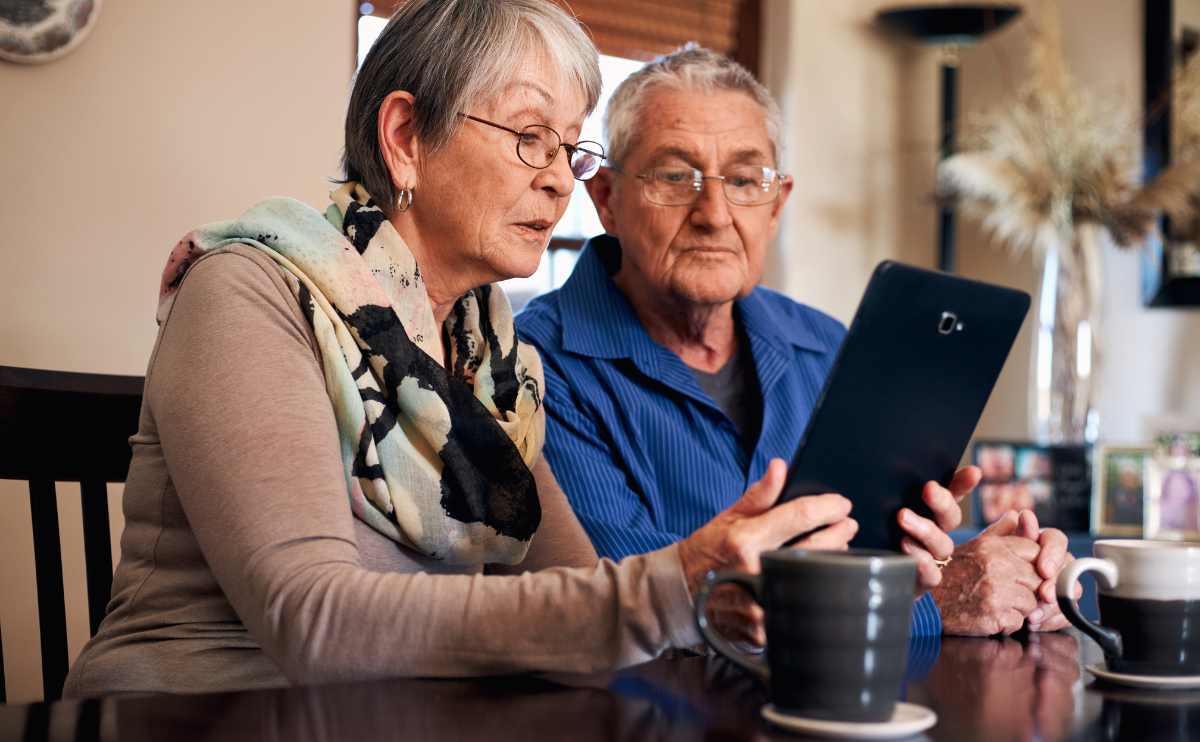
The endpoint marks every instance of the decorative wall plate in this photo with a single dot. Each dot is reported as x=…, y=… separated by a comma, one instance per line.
x=35, y=31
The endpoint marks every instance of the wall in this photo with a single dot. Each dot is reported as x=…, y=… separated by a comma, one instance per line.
x=861, y=126
x=1151, y=374
x=1151, y=362
x=170, y=115
x=989, y=75
x=861, y=115
x=860, y=142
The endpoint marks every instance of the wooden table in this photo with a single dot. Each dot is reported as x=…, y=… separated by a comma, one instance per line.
x=982, y=689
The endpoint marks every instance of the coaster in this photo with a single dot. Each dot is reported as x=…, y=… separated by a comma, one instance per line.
x=907, y=719
x=1158, y=682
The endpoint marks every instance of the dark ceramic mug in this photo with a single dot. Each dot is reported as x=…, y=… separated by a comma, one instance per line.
x=1149, y=596
x=837, y=630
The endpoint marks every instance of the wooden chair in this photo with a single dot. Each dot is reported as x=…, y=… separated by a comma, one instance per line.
x=66, y=427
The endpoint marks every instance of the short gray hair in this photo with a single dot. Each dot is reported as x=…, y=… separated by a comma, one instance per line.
x=450, y=54
x=690, y=67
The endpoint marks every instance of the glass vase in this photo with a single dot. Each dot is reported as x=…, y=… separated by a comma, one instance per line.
x=1067, y=351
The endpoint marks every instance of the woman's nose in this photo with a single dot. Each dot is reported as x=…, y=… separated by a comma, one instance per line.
x=557, y=178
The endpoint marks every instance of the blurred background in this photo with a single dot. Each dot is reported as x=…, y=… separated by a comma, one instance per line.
x=171, y=115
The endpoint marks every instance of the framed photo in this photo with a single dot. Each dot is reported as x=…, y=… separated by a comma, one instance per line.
x=1174, y=444
x=1055, y=482
x=1118, y=504
x=1173, y=498
x=996, y=459
x=997, y=492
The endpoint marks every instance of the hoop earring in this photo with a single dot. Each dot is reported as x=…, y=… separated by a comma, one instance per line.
x=404, y=200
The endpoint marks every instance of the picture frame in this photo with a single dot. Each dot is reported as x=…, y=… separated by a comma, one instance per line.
x=1054, y=481
x=1172, y=509
x=1118, y=497
x=1171, y=255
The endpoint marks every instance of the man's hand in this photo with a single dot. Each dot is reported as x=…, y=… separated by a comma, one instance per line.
x=737, y=536
x=926, y=539
x=991, y=585
x=1052, y=557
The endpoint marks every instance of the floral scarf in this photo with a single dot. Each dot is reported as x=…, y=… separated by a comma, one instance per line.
x=436, y=458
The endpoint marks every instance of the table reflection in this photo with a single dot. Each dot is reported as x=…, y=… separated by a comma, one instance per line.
x=1028, y=688
x=1004, y=688
x=1147, y=715
x=677, y=699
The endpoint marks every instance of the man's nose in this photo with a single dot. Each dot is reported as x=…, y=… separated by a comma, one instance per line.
x=711, y=209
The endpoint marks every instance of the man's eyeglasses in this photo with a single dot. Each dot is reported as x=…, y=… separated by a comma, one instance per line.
x=538, y=145
x=743, y=185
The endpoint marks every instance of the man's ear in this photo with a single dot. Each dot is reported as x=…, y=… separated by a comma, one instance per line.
x=398, y=139
x=601, y=189
x=785, y=190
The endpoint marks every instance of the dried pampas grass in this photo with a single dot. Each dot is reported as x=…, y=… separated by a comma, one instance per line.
x=1058, y=158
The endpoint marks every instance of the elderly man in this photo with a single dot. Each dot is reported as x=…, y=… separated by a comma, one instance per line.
x=674, y=380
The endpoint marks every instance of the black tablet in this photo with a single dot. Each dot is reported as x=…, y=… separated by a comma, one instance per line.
x=905, y=393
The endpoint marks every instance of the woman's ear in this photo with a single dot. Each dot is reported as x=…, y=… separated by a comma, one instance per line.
x=398, y=139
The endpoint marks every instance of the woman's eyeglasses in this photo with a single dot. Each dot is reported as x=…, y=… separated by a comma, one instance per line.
x=538, y=145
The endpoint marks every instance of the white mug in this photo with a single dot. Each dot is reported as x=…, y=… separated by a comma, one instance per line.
x=1149, y=595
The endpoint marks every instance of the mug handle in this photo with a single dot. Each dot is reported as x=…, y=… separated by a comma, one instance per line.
x=1106, y=575
x=751, y=584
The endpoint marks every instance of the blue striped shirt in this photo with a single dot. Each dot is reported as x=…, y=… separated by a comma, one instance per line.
x=644, y=455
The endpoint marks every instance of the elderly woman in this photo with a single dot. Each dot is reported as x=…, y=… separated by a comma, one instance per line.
x=338, y=471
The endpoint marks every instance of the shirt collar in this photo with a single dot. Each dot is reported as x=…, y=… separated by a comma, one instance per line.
x=599, y=321
x=771, y=317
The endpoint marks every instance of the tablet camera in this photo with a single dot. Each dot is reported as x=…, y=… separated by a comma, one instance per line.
x=948, y=323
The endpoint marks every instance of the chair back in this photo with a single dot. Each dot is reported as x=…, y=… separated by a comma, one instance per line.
x=57, y=426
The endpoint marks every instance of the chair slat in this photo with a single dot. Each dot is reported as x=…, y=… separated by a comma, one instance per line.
x=102, y=412
x=87, y=726
x=97, y=549
x=52, y=614
x=37, y=723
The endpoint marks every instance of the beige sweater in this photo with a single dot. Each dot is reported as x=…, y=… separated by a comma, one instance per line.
x=242, y=566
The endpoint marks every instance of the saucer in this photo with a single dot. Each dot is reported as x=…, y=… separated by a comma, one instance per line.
x=1159, y=682
x=907, y=719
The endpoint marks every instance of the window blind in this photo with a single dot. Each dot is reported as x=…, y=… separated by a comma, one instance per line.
x=643, y=29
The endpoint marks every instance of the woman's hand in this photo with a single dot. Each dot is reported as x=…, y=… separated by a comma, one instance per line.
x=737, y=536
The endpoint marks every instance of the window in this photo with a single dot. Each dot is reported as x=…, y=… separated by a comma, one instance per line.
x=369, y=28
x=642, y=29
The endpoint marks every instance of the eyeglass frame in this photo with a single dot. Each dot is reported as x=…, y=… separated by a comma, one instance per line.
x=570, y=148
x=698, y=178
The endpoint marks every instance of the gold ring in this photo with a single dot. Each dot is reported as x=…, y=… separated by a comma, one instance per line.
x=941, y=563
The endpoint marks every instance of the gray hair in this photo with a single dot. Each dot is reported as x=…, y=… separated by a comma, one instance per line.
x=450, y=54
x=690, y=67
